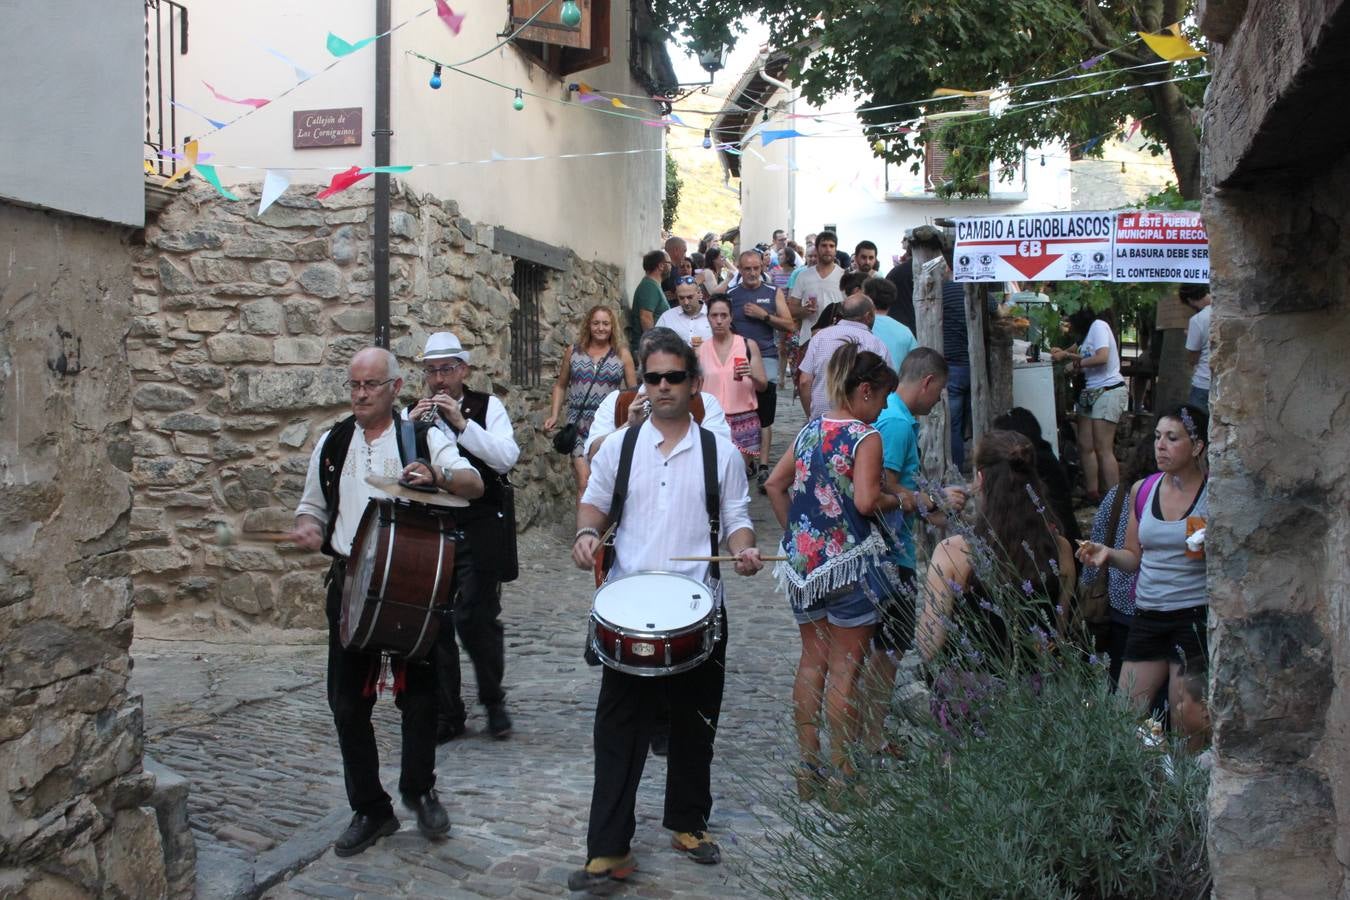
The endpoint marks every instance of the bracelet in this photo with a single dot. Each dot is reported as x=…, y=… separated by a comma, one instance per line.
x=581, y=532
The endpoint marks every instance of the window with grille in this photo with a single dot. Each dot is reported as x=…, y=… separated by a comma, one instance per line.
x=528, y=282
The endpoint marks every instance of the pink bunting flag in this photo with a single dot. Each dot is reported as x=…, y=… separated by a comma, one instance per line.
x=255, y=102
x=1134, y=126
x=452, y=20
x=341, y=181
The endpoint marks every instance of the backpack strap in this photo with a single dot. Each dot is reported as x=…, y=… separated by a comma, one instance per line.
x=712, y=497
x=1142, y=497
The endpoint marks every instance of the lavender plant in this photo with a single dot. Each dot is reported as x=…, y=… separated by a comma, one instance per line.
x=1021, y=776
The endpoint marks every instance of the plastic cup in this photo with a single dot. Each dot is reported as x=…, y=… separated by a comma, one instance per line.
x=736, y=363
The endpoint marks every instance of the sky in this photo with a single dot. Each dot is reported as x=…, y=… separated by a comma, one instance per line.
x=688, y=69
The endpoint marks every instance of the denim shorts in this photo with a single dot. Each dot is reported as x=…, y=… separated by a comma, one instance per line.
x=848, y=610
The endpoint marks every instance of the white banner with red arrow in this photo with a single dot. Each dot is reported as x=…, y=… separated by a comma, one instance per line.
x=1082, y=246
x=1050, y=247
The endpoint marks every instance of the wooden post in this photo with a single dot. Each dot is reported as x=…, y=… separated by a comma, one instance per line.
x=1000, y=371
x=981, y=407
x=934, y=437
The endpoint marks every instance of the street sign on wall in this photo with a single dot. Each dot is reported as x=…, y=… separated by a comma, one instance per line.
x=1086, y=246
x=326, y=128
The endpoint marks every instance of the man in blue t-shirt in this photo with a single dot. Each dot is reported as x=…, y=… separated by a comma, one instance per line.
x=759, y=312
x=923, y=376
x=894, y=334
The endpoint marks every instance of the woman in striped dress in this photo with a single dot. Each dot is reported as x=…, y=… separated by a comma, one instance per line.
x=598, y=363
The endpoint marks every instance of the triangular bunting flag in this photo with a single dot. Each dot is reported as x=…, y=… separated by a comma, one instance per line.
x=341, y=181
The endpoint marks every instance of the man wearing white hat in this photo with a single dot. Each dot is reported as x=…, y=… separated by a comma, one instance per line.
x=478, y=424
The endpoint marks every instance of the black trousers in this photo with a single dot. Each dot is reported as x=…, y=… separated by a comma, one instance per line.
x=477, y=619
x=625, y=715
x=349, y=673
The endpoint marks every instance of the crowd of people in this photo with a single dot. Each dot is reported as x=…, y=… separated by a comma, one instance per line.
x=666, y=413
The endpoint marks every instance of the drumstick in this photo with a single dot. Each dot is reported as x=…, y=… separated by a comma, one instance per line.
x=722, y=559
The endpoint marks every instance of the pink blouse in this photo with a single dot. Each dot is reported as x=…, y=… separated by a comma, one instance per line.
x=719, y=378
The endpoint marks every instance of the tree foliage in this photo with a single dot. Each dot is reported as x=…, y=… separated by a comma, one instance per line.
x=897, y=54
x=672, y=201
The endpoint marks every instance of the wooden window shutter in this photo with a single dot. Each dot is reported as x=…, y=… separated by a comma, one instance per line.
x=936, y=156
x=595, y=15
x=548, y=28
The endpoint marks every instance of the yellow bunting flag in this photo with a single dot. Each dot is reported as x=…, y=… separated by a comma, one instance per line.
x=190, y=152
x=956, y=92
x=1170, y=45
x=618, y=104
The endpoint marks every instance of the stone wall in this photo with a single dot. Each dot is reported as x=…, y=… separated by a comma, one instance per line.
x=1278, y=212
x=75, y=810
x=242, y=331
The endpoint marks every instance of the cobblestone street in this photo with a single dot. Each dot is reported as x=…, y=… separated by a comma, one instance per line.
x=249, y=727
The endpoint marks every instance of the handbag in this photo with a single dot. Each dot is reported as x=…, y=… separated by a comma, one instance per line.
x=1094, y=602
x=565, y=441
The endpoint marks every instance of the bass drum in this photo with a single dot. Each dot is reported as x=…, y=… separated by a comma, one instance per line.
x=398, y=581
x=654, y=623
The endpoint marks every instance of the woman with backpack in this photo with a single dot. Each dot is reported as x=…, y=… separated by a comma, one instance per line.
x=1164, y=543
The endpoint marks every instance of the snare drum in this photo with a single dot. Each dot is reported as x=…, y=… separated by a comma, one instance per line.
x=654, y=623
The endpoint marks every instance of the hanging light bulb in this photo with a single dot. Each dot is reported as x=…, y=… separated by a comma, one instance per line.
x=1042, y=160
x=519, y=102
x=1122, y=167
x=436, y=77
x=571, y=13
x=707, y=139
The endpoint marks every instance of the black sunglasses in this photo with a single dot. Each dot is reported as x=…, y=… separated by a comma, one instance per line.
x=654, y=378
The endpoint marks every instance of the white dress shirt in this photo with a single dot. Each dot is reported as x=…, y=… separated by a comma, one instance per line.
x=665, y=514
x=379, y=457
x=686, y=326
x=495, y=445
x=603, y=425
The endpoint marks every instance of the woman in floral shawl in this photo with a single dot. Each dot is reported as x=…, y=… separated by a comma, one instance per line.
x=823, y=493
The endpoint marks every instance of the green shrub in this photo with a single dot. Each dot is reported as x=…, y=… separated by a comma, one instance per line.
x=1021, y=776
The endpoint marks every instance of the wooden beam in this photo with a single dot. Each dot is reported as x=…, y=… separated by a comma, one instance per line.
x=981, y=406
x=935, y=437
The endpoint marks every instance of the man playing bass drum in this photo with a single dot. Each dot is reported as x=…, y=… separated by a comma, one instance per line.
x=368, y=442
x=478, y=425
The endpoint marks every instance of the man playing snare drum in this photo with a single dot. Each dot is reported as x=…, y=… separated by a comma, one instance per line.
x=666, y=485
x=336, y=494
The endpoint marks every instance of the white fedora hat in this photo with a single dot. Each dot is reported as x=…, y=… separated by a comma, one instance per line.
x=444, y=345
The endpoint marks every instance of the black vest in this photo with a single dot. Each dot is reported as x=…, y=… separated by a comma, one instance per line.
x=333, y=457
x=474, y=405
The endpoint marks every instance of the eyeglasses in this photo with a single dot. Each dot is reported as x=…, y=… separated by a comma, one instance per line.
x=654, y=378
x=685, y=279
x=355, y=386
x=443, y=370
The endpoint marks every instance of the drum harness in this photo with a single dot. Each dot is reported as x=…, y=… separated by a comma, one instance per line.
x=712, y=497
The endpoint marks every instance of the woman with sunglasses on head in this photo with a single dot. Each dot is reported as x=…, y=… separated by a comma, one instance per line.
x=823, y=494
x=1164, y=543
x=599, y=362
